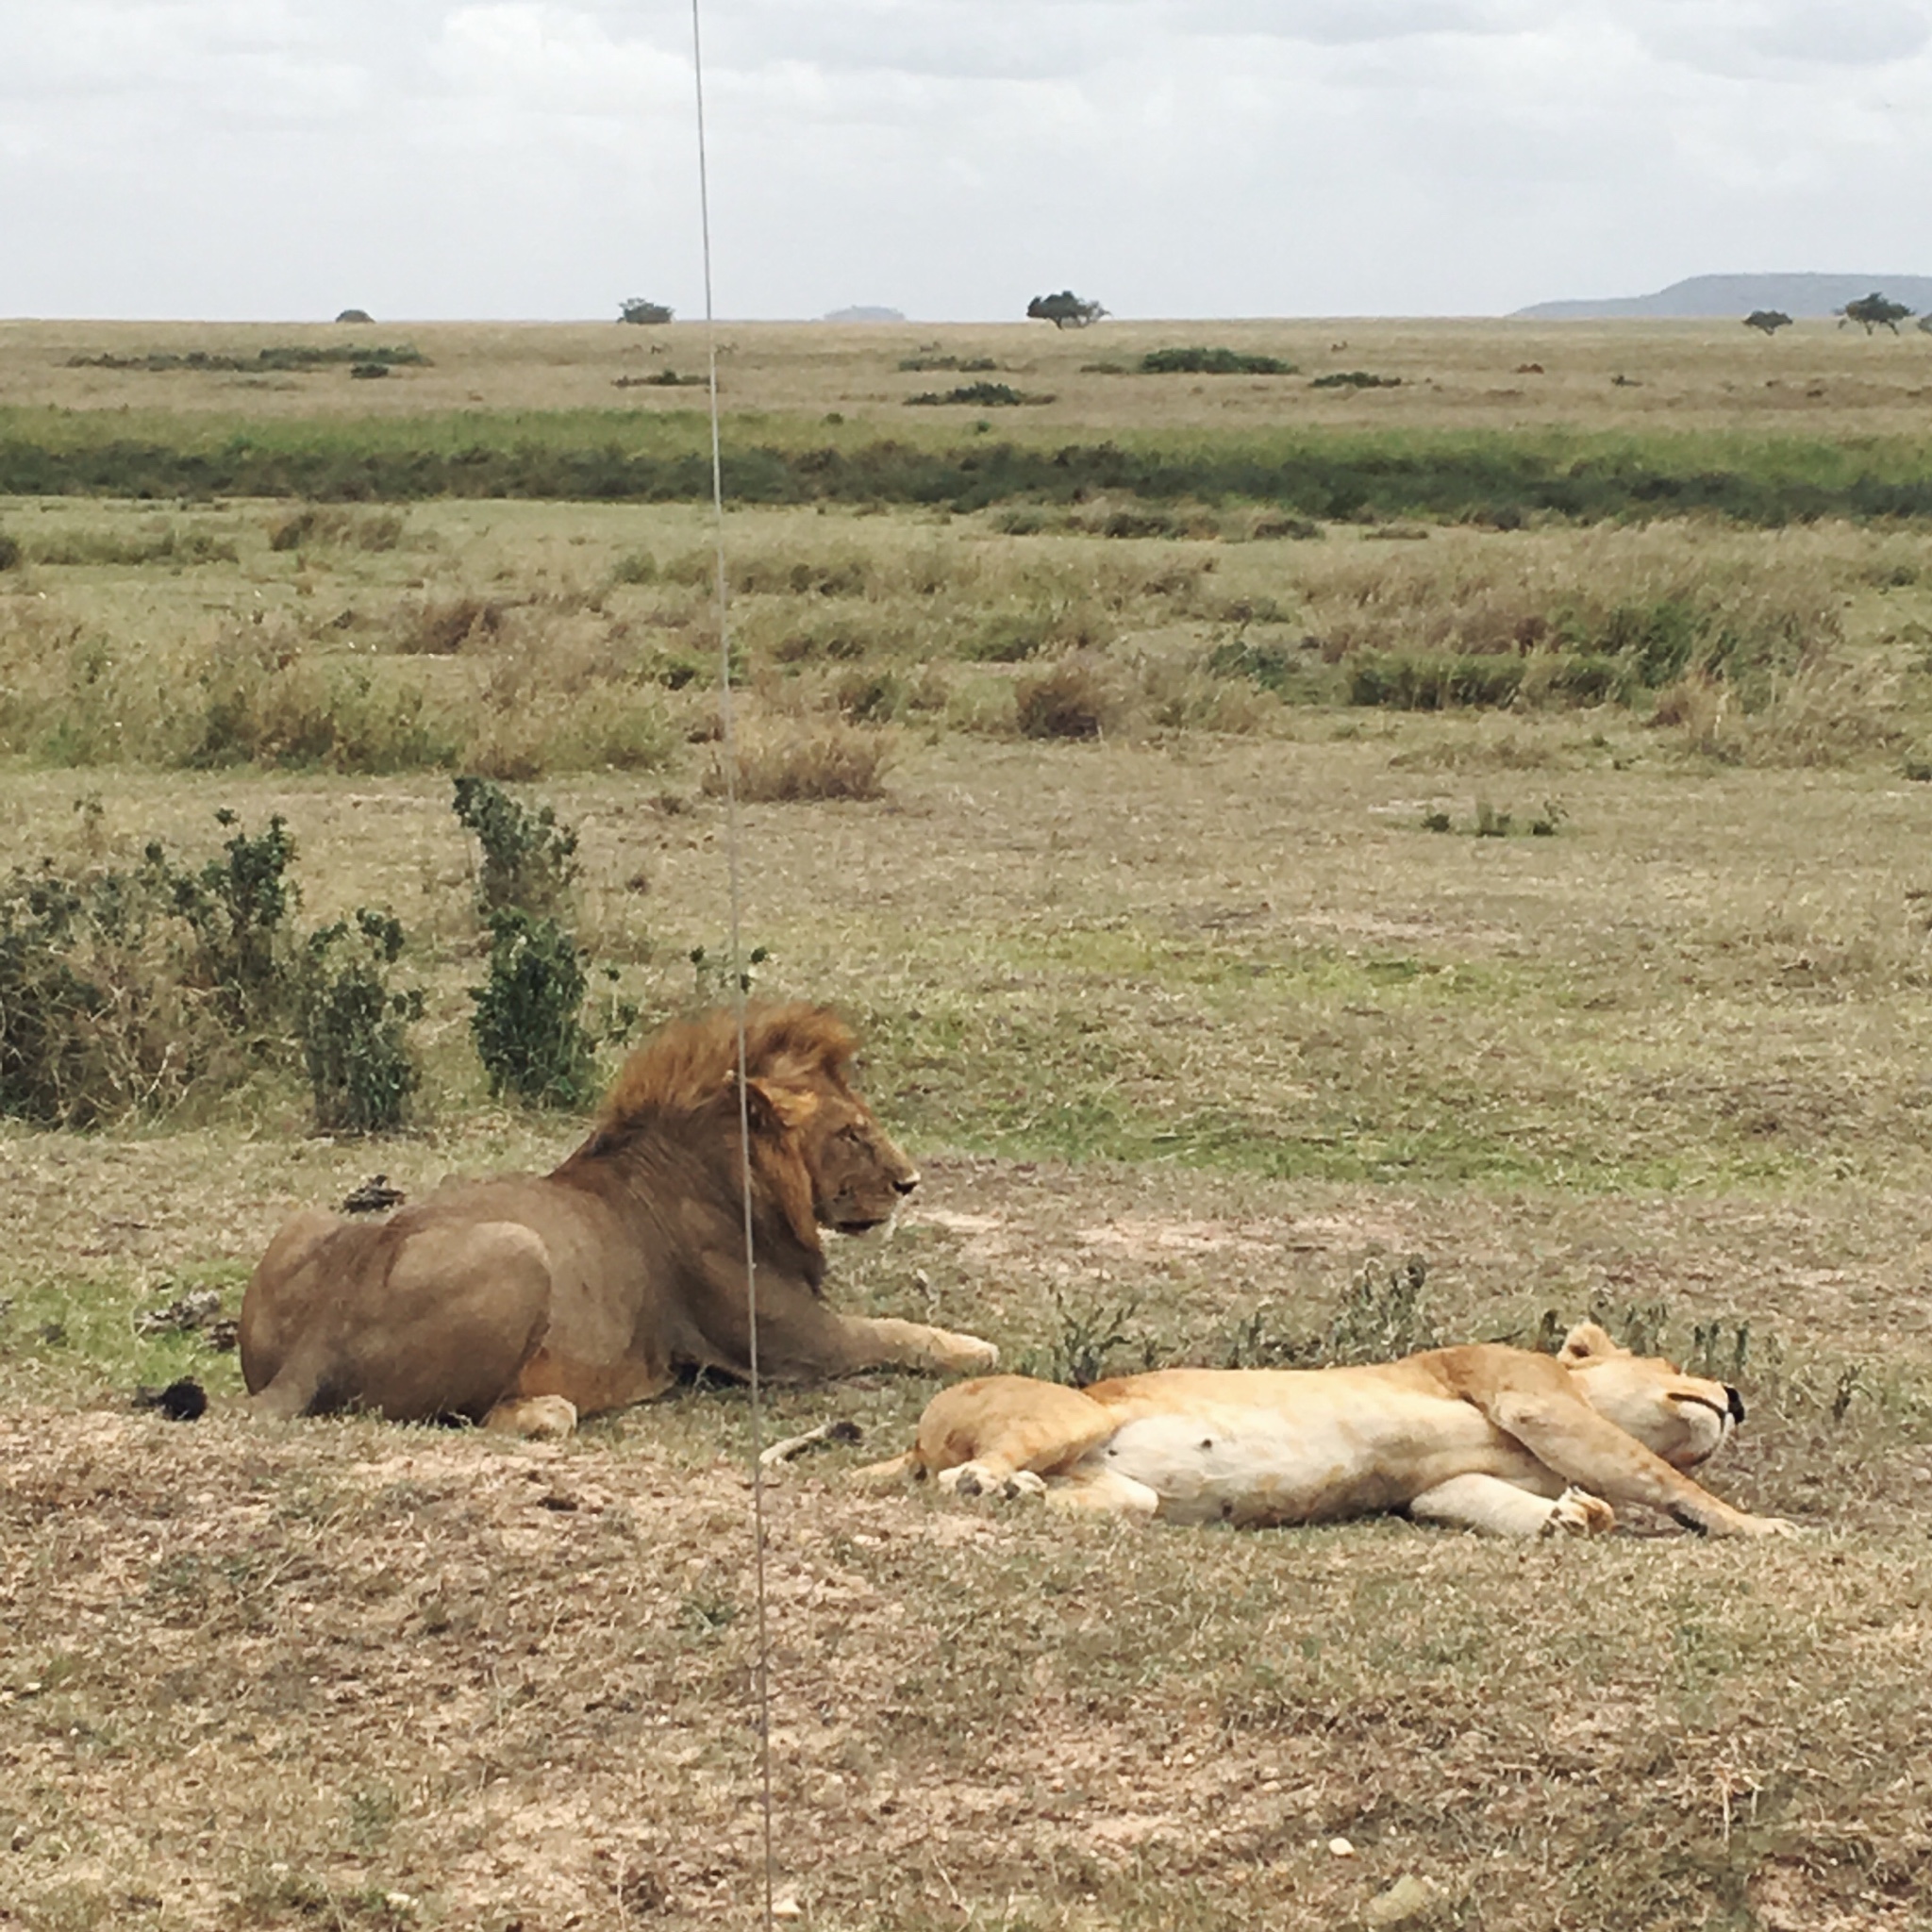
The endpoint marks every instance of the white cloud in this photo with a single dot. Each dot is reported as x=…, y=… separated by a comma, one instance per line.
x=950, y=157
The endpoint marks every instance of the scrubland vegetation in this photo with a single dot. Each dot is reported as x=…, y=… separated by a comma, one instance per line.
x=1398, y=824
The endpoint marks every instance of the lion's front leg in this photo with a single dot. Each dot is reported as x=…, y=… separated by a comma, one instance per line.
x=1491, y=1506
x=883, y=1341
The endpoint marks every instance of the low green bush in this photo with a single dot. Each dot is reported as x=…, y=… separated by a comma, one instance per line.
x=1211, y=363
x=354, y=1027
x=124, y=990
x=528, y=1022
x=529, y=860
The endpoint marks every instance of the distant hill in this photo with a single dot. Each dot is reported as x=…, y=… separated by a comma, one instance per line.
x=1738, y=295
x=863, y=313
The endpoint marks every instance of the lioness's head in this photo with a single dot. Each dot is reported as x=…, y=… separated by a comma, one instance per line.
x=1685, y=1419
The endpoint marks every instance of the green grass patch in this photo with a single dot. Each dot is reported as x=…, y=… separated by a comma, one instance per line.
x=632, y=457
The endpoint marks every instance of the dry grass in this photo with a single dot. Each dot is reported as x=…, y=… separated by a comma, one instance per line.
x=784, y=766
x=527, y=640
x=1812, y=379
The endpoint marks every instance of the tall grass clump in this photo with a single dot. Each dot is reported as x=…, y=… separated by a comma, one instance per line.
x=814, y=760
x=1076, y=697
x=1608, y=617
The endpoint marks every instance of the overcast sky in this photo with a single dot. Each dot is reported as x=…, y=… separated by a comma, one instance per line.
x=286, y=158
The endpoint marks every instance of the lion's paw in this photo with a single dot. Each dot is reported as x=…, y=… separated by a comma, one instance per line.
x=1577, y=1512
x=970, y=1354
x=1771, y=1525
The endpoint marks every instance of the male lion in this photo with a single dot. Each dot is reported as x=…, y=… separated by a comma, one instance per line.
x=1485, y=1437
x=526, y=1301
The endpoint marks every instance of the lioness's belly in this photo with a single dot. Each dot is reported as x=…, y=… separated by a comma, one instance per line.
x=1259, y=1469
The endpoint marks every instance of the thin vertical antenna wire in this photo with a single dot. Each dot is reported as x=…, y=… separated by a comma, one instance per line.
x=761, y=1683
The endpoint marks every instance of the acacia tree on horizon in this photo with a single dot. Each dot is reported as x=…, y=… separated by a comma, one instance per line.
x=1768, y=321
x=1064, y=310
x=1874, y=312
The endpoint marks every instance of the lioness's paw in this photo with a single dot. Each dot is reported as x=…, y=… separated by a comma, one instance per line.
x=969, y=1479
x=1771, y=1525
x=976, y=1479
x=1577, y=1512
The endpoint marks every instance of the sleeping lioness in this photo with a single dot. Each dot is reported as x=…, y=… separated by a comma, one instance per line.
x=1484, y=1438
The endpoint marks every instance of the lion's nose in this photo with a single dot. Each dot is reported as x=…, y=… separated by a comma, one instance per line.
x=905, y=1184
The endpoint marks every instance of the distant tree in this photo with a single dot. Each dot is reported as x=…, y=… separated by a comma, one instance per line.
x=355, y=315
x=637, y=309
x=1064, y=310
x=1874, y=312
x=1769, y=320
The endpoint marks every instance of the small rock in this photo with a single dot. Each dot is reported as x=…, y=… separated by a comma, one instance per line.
x=786, y=1905
x=1409, y=1899
x=1341, y=1848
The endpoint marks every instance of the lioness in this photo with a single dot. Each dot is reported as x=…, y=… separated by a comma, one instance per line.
x=527, y=1301
x=1484, y=1438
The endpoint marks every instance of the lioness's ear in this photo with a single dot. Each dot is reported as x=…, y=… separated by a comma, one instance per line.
x=781, y=1105
x=1588, y=1342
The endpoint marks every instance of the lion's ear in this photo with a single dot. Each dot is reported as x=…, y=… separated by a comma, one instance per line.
x=1588, y=1342
x=777, y=1103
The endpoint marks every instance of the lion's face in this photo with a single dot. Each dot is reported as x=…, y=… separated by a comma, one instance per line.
x=1682, y=1418
x=858, y=1176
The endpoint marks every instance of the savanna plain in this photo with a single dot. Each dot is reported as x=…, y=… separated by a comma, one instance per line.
x=1271, y=832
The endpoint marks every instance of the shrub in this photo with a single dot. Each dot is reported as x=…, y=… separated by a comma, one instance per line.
x=1211, y=363
x=9, y=552
x=354, y=1028
x=979, y=395
x=636, y=308
x=90, y=1028
x=528, y=1020
x=121, y=990
x=1072, y=699
x=1355, y=379
x=239, y=906
x=529, y=861
x=964, y=365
